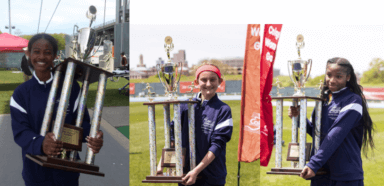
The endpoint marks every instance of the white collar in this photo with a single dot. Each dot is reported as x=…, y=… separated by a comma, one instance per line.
x=339, y=90
x=42, y=82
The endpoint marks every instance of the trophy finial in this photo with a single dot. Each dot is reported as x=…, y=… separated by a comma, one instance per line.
x=192, y=86
x=278, y=87
x=168, y=46
x=299, y=43
x=148, y=87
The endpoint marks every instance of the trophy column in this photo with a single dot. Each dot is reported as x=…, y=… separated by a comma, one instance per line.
x=191, y=125
x=178, y=146
x=63, y=105
x=51, y=102
x=317, y=124
x=303, y=132
x=152, y=138
x=279, y=132
x=295, y=121
x=95, y=125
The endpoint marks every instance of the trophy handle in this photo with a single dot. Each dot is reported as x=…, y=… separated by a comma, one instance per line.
x=289, y=71
x=181, y=70
x=75, y=30
x=310, y=67
x=158, y=66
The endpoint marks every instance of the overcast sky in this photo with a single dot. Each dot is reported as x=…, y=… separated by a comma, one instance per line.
x=359, y=44
x=25, y=15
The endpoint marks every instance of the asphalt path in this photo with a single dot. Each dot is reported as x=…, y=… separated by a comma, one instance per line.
x=113, y=158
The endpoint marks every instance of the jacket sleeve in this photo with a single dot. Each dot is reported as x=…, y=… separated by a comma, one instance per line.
x=348, y=118
x=29, y=140
x=222, y=132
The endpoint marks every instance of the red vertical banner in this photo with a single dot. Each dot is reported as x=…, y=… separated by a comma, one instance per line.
x=271, y=38
x=249, y=141
x=132, y=88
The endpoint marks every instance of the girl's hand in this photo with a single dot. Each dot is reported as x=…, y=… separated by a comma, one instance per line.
x=51, y=146
x=190, y=178
x=307, y=173
x=293, y=111
x=95, y=143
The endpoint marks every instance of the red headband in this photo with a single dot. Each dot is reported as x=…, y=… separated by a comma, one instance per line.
x=208, y=68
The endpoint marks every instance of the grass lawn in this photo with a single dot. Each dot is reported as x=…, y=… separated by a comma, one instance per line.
x=139, y=148
x=372, y=167
x=9, y=81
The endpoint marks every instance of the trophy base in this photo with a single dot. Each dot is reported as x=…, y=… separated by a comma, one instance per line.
x=63, y=164
x=292, y=171
x=163, y=179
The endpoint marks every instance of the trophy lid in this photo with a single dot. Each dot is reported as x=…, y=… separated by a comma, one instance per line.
x=300, y=38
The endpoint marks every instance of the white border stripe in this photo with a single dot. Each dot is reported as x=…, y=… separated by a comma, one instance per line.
x=77, y=102
x=226, y=123
x=42, y=82
x=353, y=106
x=17, y=106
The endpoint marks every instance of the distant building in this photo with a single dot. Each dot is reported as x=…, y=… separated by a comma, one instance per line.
x=180, y=57
x=238, y=62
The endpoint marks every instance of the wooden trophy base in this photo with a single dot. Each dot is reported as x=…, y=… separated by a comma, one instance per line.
x=292, y=171
x=163, y=179
x=63, y=164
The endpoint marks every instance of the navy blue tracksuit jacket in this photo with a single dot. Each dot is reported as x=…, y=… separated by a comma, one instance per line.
x=27, y=106
x=341, y=137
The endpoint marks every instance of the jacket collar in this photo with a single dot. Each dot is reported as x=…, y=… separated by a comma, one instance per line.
x=214, y=98
x=42, y=82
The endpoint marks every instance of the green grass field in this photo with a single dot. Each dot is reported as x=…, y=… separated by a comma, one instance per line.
x=139, y=147
x=9, y=81
x=372, y=167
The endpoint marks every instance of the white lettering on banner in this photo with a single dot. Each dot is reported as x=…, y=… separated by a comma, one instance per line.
x=269, y=57
x=257, y=45
x=274, y=32
x=270, y=44
x=265, y=130
x=255, y=31
x=254, y=124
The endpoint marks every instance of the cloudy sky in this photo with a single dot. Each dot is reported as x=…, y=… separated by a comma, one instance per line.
x=25, y=15
x=217, y=29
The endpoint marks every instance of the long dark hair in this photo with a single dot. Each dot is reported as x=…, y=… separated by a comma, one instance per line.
x=368, y=125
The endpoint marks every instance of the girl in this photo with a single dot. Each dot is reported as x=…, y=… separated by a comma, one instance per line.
x=27, y=107
x=345, y=127
x=213, y=129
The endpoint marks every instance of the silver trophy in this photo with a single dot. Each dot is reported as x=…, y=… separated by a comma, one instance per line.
x=85, y=38
x=169, y=73
x=298, y=69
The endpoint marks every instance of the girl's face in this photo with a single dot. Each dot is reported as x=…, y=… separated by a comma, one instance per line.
x=336, y=77
x=208, y=82
x=42, y=55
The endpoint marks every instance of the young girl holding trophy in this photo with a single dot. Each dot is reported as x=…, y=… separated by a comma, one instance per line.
x=345, y=127
x=213, y=128
x=28, y=104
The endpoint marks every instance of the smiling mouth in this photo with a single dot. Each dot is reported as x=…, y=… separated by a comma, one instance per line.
x=41, y=63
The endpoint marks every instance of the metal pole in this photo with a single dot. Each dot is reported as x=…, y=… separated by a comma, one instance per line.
x=192, y=146
x=51, y=103
x=63, y=105
x=152, y=138
x=279, y=132
x=317, y=125
x=178, y=147
x=122, y=27
x=303, y=131
x=295, y=121
x=10, y=26
x=81, y=107
x=167, y=121
x=90, y=157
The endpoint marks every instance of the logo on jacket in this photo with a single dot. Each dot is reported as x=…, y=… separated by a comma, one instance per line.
x=334, y=112
x=207, y=126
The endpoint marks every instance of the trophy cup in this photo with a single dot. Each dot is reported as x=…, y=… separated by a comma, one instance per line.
x=169, y=72
x=299, y=68
x=298, y=151
x=172, y=158
x=71, y=135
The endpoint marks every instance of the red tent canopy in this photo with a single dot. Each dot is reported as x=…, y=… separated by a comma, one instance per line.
x=11, y=43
